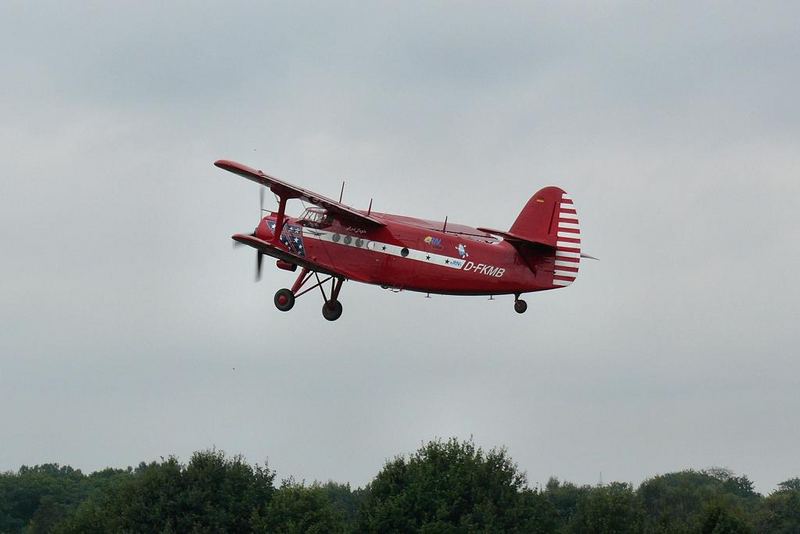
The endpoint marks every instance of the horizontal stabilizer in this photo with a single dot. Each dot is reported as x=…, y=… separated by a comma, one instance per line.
x=514, y=238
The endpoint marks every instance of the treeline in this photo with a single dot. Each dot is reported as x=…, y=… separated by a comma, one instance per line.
x=446, y=486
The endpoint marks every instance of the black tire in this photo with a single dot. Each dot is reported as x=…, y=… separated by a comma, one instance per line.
x=284, y=299
x=520, y=306
x=332, y=310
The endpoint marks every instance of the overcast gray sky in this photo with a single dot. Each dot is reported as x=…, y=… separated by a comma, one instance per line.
x=124, y=308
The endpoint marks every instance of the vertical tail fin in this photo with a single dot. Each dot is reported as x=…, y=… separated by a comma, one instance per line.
x=550, y=218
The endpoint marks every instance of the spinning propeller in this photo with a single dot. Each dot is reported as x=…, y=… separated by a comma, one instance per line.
x=259, y=254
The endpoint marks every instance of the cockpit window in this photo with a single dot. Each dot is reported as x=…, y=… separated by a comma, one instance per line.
x=316, y=217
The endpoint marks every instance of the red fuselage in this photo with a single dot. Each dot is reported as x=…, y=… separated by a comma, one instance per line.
x=417, y=255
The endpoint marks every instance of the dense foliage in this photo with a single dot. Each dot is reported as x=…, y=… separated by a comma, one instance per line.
x=446, y=486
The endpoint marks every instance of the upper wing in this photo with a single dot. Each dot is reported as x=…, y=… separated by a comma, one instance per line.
x=284, y=189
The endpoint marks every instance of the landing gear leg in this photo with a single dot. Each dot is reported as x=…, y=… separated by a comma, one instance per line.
x=331, y=309
x=519, y=305
x=301, y=279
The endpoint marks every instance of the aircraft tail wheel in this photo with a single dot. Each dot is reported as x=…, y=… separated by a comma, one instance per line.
x=520, y=306
x=284, y=299
x=332, y=310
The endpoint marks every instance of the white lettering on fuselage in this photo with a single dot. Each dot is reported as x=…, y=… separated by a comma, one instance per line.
x=488, y=270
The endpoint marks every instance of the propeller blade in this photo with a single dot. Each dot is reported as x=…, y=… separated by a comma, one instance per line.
x=589, y=257
x=259, y=260
x=261, y=200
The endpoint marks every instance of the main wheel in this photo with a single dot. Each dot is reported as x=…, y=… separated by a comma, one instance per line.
x=332, y=310
x=284, y=299
x=520, y=306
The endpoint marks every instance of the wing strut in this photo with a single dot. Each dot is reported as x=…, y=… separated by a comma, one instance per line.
x=276, y=237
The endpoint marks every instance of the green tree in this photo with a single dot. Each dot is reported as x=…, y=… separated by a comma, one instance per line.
x=297, y=508
x=793, y=484
x=213, y=493
x=613, y=508
x=454, y=486
x=445, y=486
x=780, y=511
x=722, y=518
x=731, y=484
x=684, y=502
x=564, y=498
x=39, y=497
x=345, y=500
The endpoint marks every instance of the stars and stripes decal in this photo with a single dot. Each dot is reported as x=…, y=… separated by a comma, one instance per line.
x=568, y=243
x=291, y=237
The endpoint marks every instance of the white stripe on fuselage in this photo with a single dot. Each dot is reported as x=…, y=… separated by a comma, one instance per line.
x=384, y=248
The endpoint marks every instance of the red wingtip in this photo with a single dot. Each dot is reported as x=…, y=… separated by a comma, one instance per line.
x=237, y=168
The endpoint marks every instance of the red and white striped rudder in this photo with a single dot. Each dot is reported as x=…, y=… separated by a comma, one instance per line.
x=568, y=243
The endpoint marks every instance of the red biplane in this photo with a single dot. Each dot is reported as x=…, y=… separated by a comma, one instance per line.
x=332, y=242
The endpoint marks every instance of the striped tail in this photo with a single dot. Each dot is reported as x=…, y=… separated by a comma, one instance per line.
x=549, y=218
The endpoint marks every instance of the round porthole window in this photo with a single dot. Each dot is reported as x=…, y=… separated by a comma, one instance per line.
x=359, y=242
x=336, y=238
x=347, y=239
x=404, y=252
